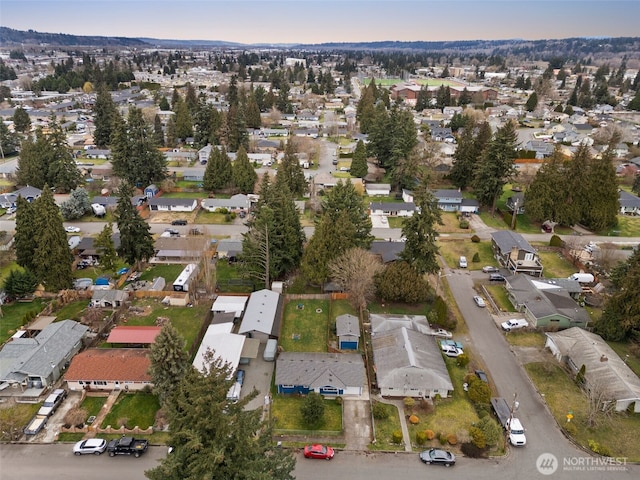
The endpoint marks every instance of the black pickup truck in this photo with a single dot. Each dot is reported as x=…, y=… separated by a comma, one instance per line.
x=127, y=446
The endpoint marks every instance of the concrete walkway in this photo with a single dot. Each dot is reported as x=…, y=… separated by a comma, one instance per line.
x=406, y=438
x=357, y=423
x=106, y=408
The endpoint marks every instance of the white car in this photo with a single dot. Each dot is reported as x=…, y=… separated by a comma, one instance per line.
x=451, y=350
x=514, y=324
x=479, y=301
x=95, y=446
x=441, y=332
x=490, y=269
x=71, y=229
x=462, y=263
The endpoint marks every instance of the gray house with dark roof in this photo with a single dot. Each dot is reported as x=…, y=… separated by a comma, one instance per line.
x=629, y=203
x=262, y=315
x=392, y=209
x=515, y=253
x=162, y=204
x=348, y=332
x=387, y=251
x=325, y=373
x=35, y=363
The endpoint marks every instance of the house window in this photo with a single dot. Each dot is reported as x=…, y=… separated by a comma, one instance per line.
x=99, y=382
x=287, y=386
x=528, y=257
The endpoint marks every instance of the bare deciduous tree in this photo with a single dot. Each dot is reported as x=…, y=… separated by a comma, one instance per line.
x=600, y=404
x=355, y=271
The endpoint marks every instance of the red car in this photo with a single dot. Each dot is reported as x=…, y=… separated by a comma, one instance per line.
x=319, y=451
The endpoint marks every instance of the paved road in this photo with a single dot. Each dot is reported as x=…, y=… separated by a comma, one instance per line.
x=56, y=462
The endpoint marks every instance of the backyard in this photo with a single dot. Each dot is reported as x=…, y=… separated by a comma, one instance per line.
x=13, y=317
x=305, y=326
x=451, y=250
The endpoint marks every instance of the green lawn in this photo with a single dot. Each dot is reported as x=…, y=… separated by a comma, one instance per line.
x=186, y=320
x=198, y=195
x=452, y=249
x=626, y=353
x=207, y=217
x=169, y=272
x=555, y=264
x=499, y=295
x=228, y=278
x=618, y=434
x=72, y=311
x=133, y=409
x=6, y=270
x=627, y=227
x=286, y=416
x=526, y=339
x=305, y=329
x=15, y=418
x=93, y=405
x=13, y=317
x=384, y=429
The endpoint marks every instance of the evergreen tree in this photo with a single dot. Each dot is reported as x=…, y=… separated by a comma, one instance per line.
x=136, y=242
x=380, y=140
x=20, y=283
x=106, y=249
x=52, y=258
x=172, y=133
x=215, y=438
x=236, y=130
x=464, y=159
x=182, y=119
x=243, y=174
x=134, y=154
x=191, y=99
x=158, y=131
x=365, y=112
x=636, y=185
x=634, y=104
x=332, y=236
x=218, y=173
x=8, y=141
x=400, y=282
x=419, y=230
x=163, y=104
x=21, y=120
x=359, y=166
x=577, y=171
x=344, y=197
x=532, y=102
x=290, y=172
x=603, y=203
x=77, y=206
x=253, y=118
x=423, y=101
x=496, y=166
x=105, y=114
x=63, y=173
x=169, y=361
x=25, y=237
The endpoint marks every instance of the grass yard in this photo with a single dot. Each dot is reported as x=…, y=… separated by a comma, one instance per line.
x=133, y=409
x=197, y=195
x=206, y=217
x=15, y=418
x=499, y=295
x=451, y=415
x=72, y=311
x=169, y=272
x=188, y=184
x=627, y=227
x=229, y=279
x=526, y=339
x=286, y=416
x=384, y=429
x=555, y=264
x=6, y=270
x=93, y=405
x=631, y=359
x=619, y=434
x=452, y=249
x=187, y=320
x=304, y=329
x=13, y=317
x=402, y=308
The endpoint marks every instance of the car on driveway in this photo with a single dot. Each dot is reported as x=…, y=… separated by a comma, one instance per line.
x=441, y=457
x=496, y=277
x=319, y=451
x=52, y=402
x=240, y=377
x=490, y=269
x=462, y=262
x=451, y=351
x=479, y=301
x=71, y=229
x=514, y=324
x=441, y=332
x=180, y=221
x=95, y=446
x=452, y=343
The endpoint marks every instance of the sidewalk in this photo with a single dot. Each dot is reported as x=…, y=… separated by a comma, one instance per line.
x=406, y=438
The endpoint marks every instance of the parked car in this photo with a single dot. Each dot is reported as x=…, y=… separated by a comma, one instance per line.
x=489, y=269
x=441, y=332
x=127, y=446
x=441, y=457
x=180, y=221
x=514, y=324
x=71, y=229
x=451, y=351
x=52, y=402
x=482, y=376
x=462, y=263
x=172, y=232
x=451, y=343
x=496, y=277
x=240, y=377
x=319, y=451
x=95, y=446
x=479, y=301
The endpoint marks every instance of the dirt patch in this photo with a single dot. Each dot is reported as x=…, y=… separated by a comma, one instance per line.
x=168, y=217
x=530, y=354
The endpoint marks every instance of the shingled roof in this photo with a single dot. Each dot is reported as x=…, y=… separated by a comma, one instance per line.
x=110, y=365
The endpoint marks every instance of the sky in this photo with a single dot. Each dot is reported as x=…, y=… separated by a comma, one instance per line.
x=316, y=21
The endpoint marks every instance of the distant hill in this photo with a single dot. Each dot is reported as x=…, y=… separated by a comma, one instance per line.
x=603, y=47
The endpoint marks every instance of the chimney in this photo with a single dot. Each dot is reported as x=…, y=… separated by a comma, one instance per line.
x=603, y=358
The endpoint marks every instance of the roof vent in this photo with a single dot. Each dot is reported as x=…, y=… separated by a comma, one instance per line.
x=603, y=358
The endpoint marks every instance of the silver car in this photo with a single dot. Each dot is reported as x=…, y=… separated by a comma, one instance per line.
x=95, y=446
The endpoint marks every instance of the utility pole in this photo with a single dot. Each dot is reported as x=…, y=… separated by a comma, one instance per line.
x=515, y=211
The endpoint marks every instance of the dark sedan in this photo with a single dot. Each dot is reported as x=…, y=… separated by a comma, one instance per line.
x=435, y=455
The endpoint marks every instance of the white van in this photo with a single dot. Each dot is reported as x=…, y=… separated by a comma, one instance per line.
x=270, y=350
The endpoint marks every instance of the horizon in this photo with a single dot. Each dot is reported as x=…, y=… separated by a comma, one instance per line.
x=286, y=22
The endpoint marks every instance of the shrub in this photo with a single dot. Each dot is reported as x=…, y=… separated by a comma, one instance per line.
x=379, y=411
x=555, y=241
x=479, y=392
x=442, y=437
x=409, y=402
x=477, y=437
x=75, y=416
x=312, y=409
x=464, y=224
x=472, y=451
x=396, y=436
x=571, y=429
x=452, y=439
x=430, y=434
x=462, y=360
x=339, y=400
x=414, y=420
x=491, y=431
x=475, y=239
x=476, y=257
x=421, y=437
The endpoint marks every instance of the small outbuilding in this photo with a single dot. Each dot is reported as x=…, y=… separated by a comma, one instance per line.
x=348, y=331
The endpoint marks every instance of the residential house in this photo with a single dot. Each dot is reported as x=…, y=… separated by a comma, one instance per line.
x=329, y=374
x=409, y=364
x=109, y=369
x=442, y=134
x=629, y=203
x=603, y=368
x=515, y=253
x=452, y=201
x=236, y=203
x=151, y=191
x=229, y=248
x=230, y=304
x=547, y=303
x=193, y=174
x=262, y=316
x=543, y=149
x=348, y=331
x=162, y=204
x=38, y=362
x=109, y=298
x=386, y=322
x=180, y=249
x=392, y=209
x=388, y=251
x=516, y=202
x=378, y=189
x=225, y=345
x=130, y=335
x=9, y=200
x=204, y=153
x=86, y=249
